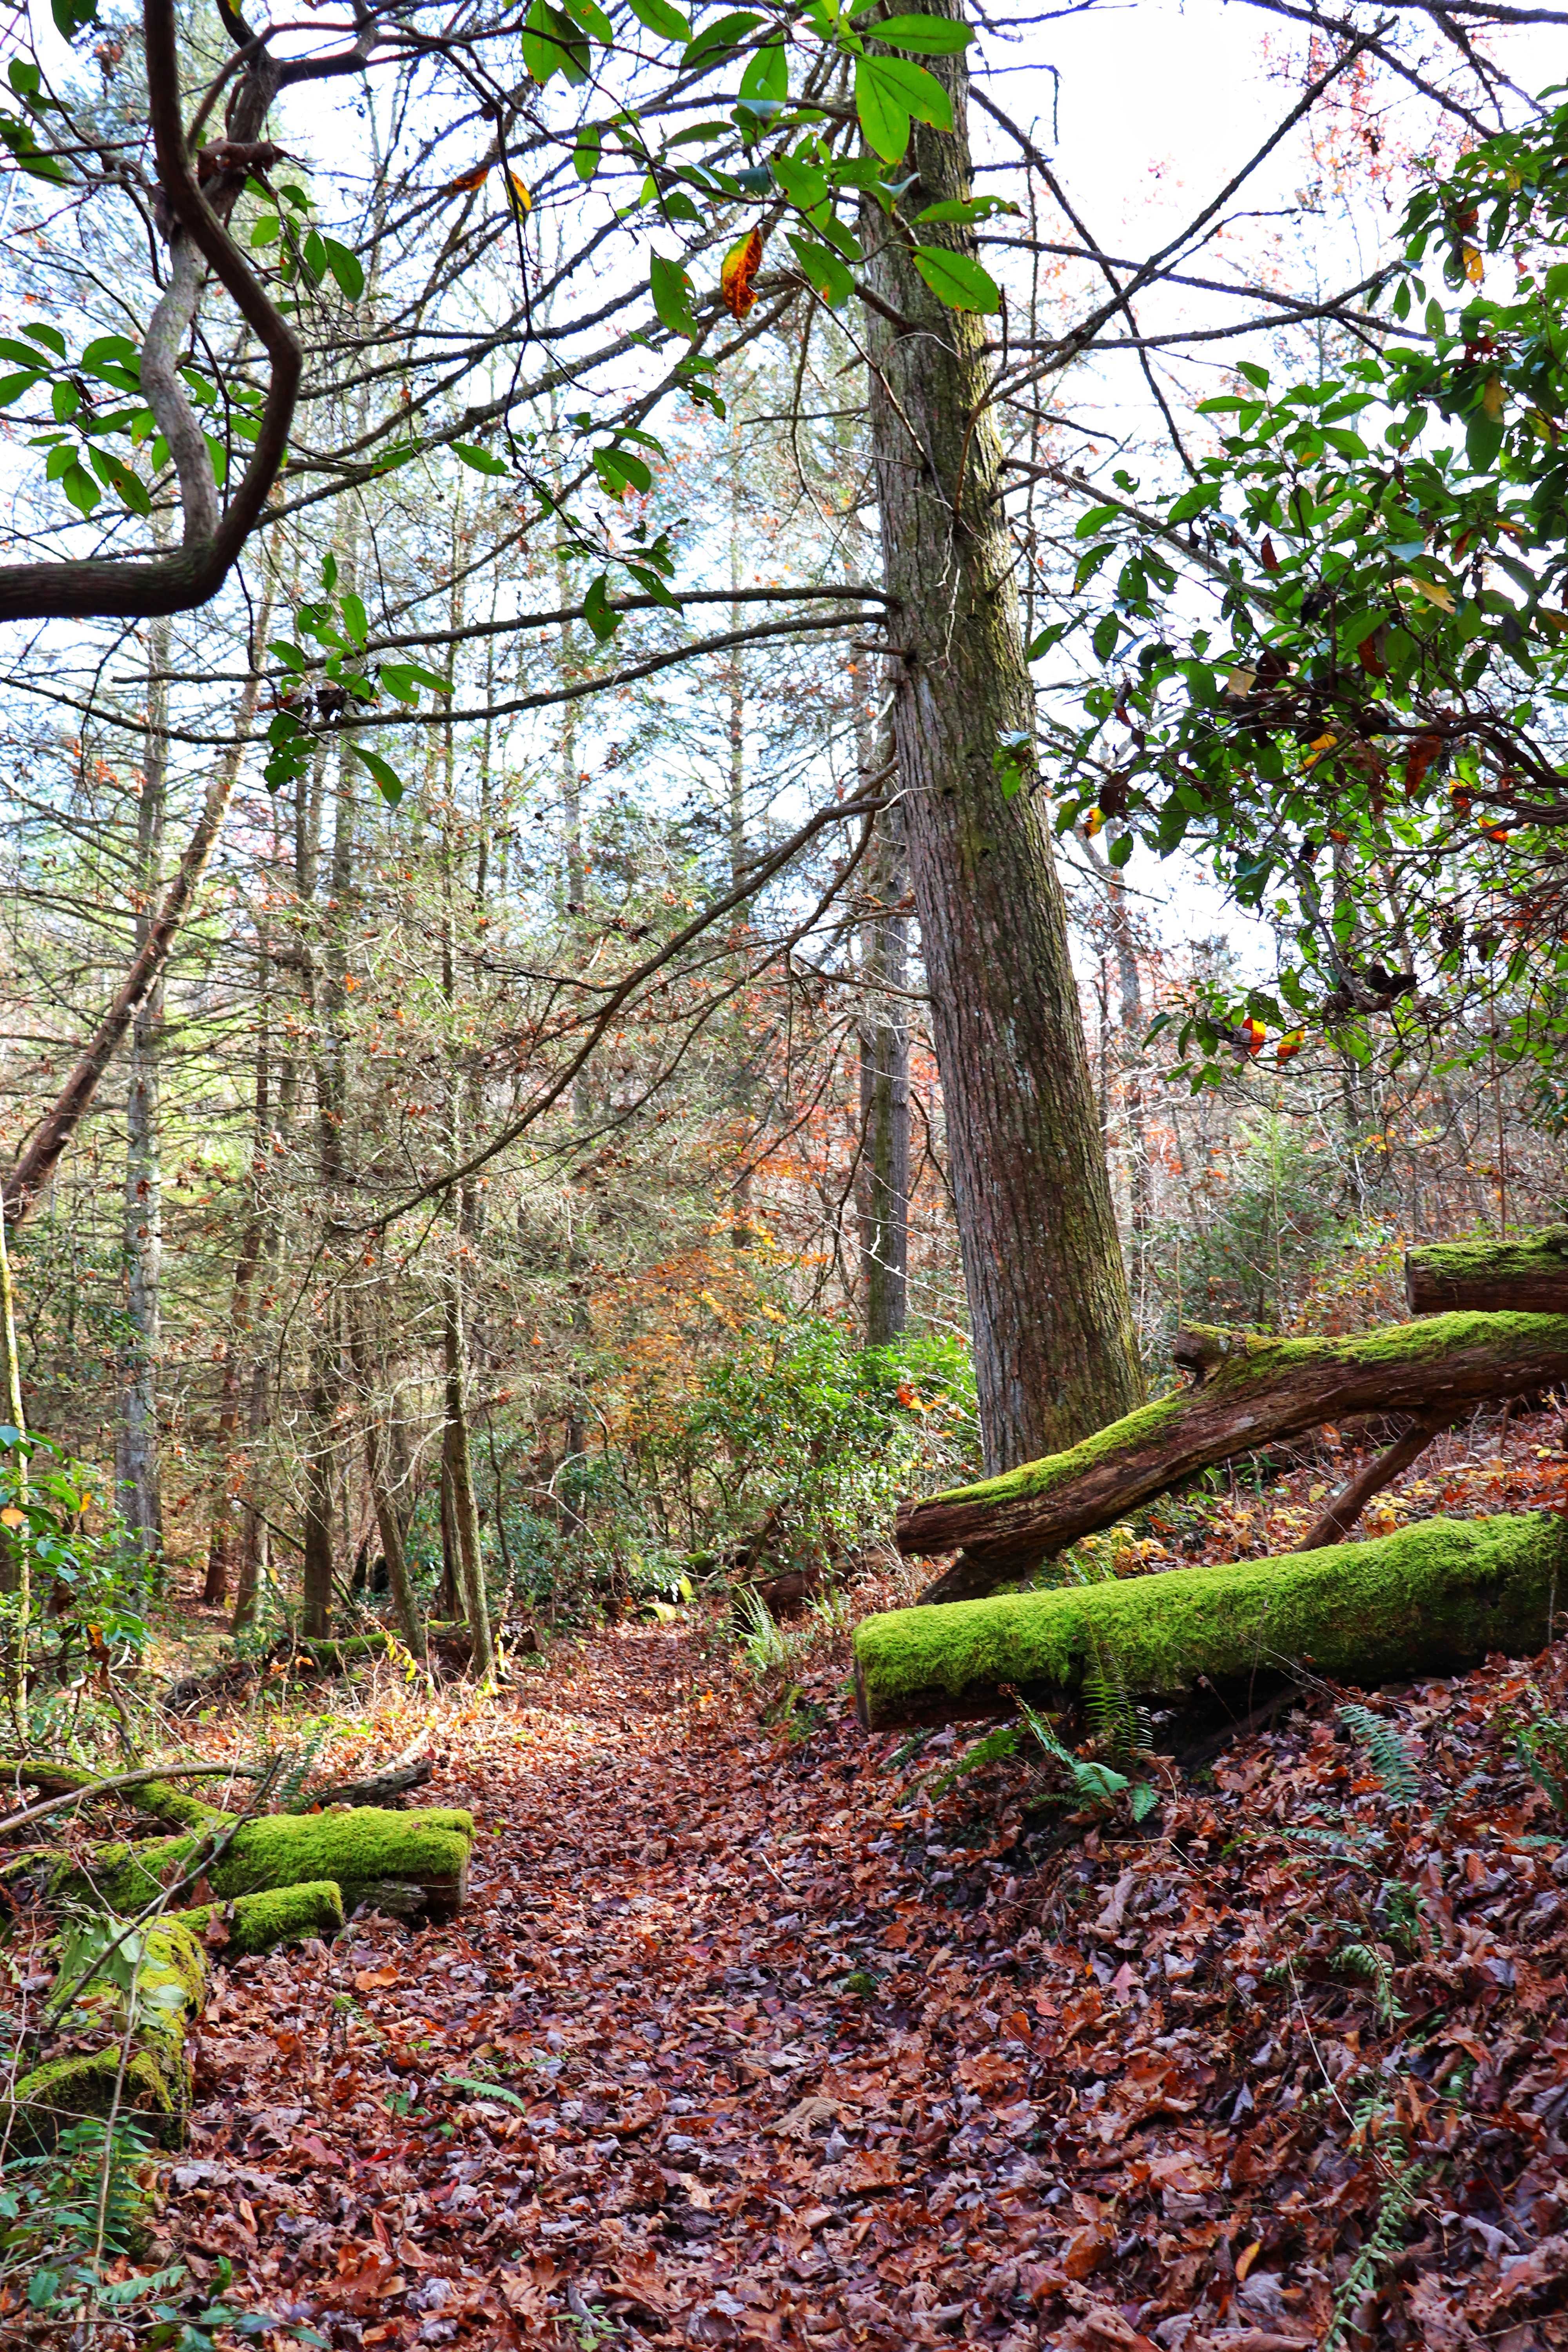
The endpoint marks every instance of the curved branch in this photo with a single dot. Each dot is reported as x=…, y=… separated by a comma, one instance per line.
x=176, y=583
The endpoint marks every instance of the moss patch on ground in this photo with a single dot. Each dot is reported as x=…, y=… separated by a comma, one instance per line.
x=1431, y=1596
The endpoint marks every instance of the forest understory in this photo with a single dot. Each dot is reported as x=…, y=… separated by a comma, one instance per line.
x=753, y=2033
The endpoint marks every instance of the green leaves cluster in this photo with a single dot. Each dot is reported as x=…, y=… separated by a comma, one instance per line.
x=1378, y=685
x=329, y=681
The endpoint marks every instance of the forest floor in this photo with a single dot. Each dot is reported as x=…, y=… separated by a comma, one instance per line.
x=748, y=2036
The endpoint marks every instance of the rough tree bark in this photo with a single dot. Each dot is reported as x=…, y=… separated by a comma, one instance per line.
x=139, y=1482
x=1249, y=1390
x=1047, y=1293
x=884, y=1187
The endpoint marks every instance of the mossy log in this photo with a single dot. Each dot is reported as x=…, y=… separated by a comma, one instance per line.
x=279, y=1915
x=146, y=1791
x=1250, y=1389
x=1431, y=1599
x=1527, y=1276
x=150, y=2078
x=403, y=1862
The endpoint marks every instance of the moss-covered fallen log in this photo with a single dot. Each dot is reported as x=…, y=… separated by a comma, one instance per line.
x=1248, y=1391
x=399, y=1862
x=1431, y=1599
x=261, y=1922
x=140, y=2066
x=1527, y=1276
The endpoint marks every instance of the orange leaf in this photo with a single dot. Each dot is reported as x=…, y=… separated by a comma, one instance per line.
x=1417, y=759
x=12, y=1518
x=1369, y=653
x=1289, y=1046
x=467, y=182
x=518, y=195
x=1475, y=267
x=1254, y=1034
x=737, y=278
x=1270, y=561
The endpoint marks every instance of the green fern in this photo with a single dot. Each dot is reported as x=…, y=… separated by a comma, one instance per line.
x=1382, y=2250
x=1386, y=1752
x=1543, y=1745
x=1121, y=1730
x=1364, y=1960
x=989, y=1750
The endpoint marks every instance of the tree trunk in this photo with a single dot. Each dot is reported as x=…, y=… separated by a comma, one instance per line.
x=458, y=1455
x=141, y=1486
x=884, y=1186
x=389, y=1526
x=1053, y=1349
x=1251, y=1390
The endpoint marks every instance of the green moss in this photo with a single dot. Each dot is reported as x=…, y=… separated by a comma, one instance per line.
x=1417, y=1601
x=171, y=1982
x=59, y=2092
x=1542, y=1253
x=361, y=1850
x=280, y=1914
x=162, y=1799
x=1251, y=1360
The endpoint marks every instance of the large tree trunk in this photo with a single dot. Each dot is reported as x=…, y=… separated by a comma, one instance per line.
x=1430, y=1599
x=140, y=1483
x=1250, y=1389
x=1047, y=1294
x=884, y=1186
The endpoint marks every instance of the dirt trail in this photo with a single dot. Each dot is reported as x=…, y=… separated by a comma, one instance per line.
x=785, y=2052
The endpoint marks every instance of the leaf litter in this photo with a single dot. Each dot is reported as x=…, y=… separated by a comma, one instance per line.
x=748, y=2038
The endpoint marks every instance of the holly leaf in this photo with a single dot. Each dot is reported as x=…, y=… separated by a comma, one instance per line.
x=888, y=94
x=929, y=36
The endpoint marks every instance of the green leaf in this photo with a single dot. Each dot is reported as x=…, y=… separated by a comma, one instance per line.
x=482, y=461
x=957, y=279
x=593, y=20
x=719, y=39
x=671, y=290
x=313, y=254
x=597, y=610
x=355, y=620
x=12, y=387
x=823, y=270
x=267, y=230
x=929, y=36
x=553, y=43
x=889, y=92
x=50, y=336
x=1106, y=629
x=73, y=16
x=767, y=73
x=1483, y=441
x=586, y=154
x=661, y=19
x=388, y=782
x=79, y=488
x=345, y=266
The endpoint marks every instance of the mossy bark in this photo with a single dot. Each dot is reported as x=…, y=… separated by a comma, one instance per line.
x=407, y=1862
x=1251, y=1390
x=279, y=1915
x=1430, y=1600
x=1054, y=1349
x=152, y=2078
x=1528, y=1275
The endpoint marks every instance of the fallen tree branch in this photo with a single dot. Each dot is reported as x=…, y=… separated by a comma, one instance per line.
x=1526, y=1275
x=1248, y=1391
x=1430, y=1600
x=1381, y=1471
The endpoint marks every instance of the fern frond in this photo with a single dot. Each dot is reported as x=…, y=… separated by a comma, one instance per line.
x=1386, y=1752
x=996, y=1744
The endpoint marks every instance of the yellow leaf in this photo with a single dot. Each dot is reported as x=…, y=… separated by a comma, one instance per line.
x=1494, y=400
x=1433, y=591
x=1093, y=822
x=738, y=274
x=1319, y=749
x=518, y=195
x=1475, y=267
x=12, y=1518
x=1241, y=682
